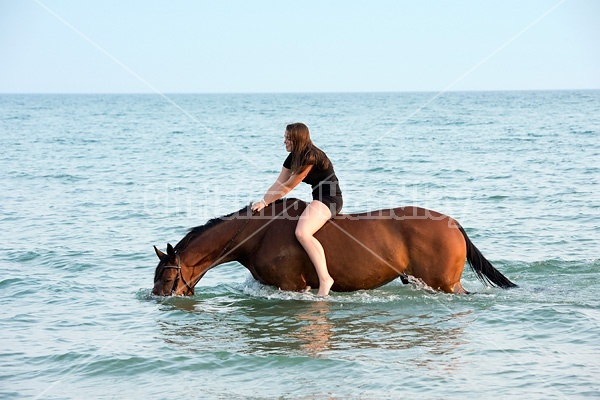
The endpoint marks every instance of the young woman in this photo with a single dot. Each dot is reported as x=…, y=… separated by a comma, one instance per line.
x=307, y=163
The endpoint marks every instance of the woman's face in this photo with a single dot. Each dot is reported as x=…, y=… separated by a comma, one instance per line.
x=287, y=141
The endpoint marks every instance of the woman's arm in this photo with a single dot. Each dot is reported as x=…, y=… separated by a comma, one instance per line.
x=286, y=181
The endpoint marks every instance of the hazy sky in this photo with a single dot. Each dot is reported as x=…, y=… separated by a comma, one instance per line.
x=172, y=46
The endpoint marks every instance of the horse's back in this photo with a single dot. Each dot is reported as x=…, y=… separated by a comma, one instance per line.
x=396, y=224
x=369, y=249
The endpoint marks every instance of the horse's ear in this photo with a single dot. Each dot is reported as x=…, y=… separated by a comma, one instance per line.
x=170, y=251
x=159, y=253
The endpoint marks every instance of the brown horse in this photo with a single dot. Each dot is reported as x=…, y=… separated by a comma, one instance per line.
x=363, y=251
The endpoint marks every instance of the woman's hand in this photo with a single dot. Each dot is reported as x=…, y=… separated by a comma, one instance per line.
x=283, y=185
x=259, y=205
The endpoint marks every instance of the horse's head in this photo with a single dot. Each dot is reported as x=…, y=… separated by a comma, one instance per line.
x=168, y=277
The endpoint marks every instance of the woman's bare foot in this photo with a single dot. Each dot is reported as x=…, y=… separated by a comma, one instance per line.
x=325, y=286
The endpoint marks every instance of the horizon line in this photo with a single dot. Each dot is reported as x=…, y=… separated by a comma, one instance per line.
x=299, y=92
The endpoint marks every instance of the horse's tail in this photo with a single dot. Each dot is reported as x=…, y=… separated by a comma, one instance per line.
x=483, y=268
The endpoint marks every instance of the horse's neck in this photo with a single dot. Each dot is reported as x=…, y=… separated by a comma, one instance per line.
x=213, y=246
x=235, y=238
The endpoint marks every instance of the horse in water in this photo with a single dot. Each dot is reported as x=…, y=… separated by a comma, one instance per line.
x=363, y=251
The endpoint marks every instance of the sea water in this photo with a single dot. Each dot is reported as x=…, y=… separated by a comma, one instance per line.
x=91, y=182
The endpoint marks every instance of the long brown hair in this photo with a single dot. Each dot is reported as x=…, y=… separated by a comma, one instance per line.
x=304, y=152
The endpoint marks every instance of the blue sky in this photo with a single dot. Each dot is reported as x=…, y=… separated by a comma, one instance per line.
x=51, y=46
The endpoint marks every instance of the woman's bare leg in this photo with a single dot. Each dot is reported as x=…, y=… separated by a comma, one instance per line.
x=312, y=219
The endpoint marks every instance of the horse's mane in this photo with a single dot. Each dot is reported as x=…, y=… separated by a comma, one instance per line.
x=199, y=230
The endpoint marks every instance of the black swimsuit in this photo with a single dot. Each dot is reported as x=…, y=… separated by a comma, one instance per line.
x=325, y=185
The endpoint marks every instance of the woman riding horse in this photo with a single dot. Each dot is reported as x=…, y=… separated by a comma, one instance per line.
x=307, y=163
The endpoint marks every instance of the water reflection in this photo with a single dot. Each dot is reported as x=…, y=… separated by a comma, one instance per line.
x=421, y=335
x=314, y=328
x=421, y=340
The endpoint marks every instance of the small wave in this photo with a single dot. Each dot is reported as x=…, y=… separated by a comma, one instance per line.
x=555, y=265
x=393, y=291
x=586, y=132
x=497, y=197
x=25, y=256
x=22, y=117
x=4, y=283
x=145, y=294
x=66, y=177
